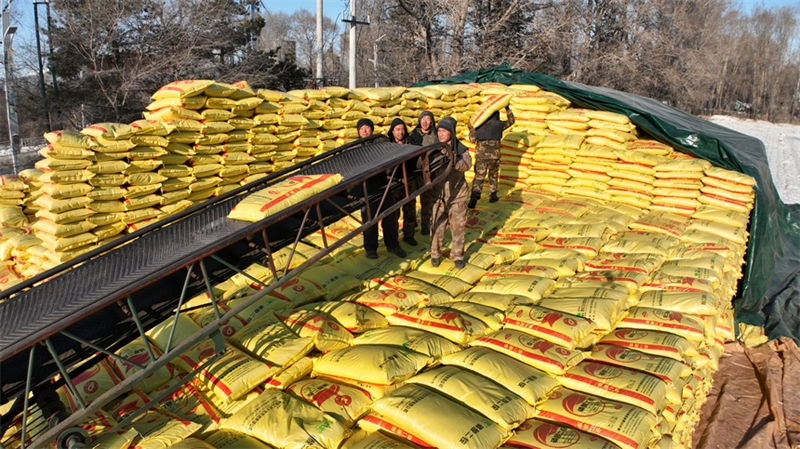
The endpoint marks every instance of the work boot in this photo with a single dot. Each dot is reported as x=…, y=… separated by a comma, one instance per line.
x=410, y=240
x=426, y=231
x=473, y=200
x=397, y=251
x=460, y=263
x=493, y=197
x=372, y=254
x=436, y=261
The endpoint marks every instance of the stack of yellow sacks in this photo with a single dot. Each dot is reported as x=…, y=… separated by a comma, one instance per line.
x=575, y=318
x=594, y=306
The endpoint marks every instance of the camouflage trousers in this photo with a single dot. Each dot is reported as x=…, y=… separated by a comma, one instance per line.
x=487, y=159
x=454, y=216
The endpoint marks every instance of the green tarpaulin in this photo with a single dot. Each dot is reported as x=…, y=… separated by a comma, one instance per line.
x=769, y=294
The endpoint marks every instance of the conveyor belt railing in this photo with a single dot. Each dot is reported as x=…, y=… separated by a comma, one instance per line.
x=371, y=158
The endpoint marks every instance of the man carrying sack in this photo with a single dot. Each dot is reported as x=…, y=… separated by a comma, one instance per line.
x=487, y=138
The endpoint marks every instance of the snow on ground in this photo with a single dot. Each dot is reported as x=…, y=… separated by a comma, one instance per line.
x=782, y=142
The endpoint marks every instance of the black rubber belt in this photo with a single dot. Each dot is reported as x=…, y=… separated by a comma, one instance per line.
x=32, y=315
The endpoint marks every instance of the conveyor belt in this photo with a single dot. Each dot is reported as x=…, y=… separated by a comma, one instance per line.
x=34, y=314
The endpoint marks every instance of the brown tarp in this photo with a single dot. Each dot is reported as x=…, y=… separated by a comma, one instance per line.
x=754, y=402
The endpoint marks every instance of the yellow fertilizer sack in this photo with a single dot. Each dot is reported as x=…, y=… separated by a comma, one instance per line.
x=536, y=434
x=407, y=337
x=588, y=246
x=627, y=426
x=188, y=402
x=114, y=131
x=372, y=363
x=362, y=439
x=663, y=281
x=335, y=282
x=375, y=423
x=497, y=301
x=90, y=384
x=669, y=370
x=228, y=439
x=433, y=295
x=135, y=352
x=284, y=420
x=344, y=402
x=8, y=277
x=531, y=384
x=231, y=376
x=722, y=216
x=387, y=302
x=729, y=175
x=633, y=242
x=297, y=290
x=557, y=327
x=653, y=342
x=693, y=303
x=534, y=351
x=182, y=89
x=161, y=430
x=531, y=287
x=12, y=216
x=630, y=279
x=437, y=420
x=478, y=392
x=273, y=343
x=522, y=268
x=273, y=199
x=327, y=333
x=450, y=323
x=294, y=372
x=678, y=323
x=452, y=285
x=491, y=105
x=71, y=139
x=352, y=315
x=616, y=383
x=602, y=312
x=470, y=273
x=636, y=263
x=734, y=233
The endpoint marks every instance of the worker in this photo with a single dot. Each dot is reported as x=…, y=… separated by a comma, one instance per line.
x=424, y=134
x=398, y=133
x=487, y=138
x=450, y=206
x=377, y=184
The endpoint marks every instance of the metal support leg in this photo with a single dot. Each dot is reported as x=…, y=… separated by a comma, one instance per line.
x=64, y=374
x=135, y=315
x=209, y=289
x=178, y=309
x=27, y=395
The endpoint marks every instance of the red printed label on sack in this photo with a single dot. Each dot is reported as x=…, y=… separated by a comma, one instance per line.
x=580, y=405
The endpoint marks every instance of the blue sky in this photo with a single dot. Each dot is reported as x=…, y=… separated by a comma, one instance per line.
x=333, y=8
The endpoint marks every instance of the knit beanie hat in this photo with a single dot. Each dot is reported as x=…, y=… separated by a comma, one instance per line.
x=448, y=123
x=429, y=114
x=365, y=122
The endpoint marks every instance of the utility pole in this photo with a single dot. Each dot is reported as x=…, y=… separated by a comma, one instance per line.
x=11, y=104
x=352, y=53
x=42, y=89
x=50, y=68
x=318, y=74
x=375, y=57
